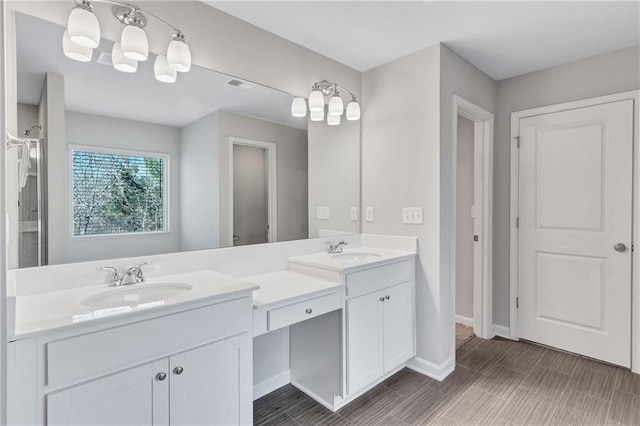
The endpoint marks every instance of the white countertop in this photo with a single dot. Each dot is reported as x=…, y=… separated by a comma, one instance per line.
x=46, y=311
x=285, y=286
x=348, y=259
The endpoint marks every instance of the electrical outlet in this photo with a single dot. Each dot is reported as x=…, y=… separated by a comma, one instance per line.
x=354, y=214
x=369, y=214
x=322, y=212
x=412, y=215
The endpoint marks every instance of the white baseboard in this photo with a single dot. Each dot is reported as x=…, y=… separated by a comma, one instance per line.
x=502, y=331
x=271, y=384
x=429, y=369
x=464, y=320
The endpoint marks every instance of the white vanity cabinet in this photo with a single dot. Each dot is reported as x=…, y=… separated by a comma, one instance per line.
x=379, y=329
x=189, y=366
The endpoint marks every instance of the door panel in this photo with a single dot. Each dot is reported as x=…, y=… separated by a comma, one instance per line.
x=212, y=388
x=575, y=204
x=398, y=339
x=132, y=397
x=250, y=195
x=364, y=345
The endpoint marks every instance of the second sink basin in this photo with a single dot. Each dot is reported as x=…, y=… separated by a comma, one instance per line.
x=135, y=294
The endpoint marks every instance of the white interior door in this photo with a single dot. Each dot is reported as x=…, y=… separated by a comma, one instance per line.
x=575, y=210
x=250, y=195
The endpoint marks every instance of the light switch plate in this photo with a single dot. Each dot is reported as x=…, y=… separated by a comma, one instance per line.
x=354, y=214
x=322, y=212
x=412, y=215
x=369, y=214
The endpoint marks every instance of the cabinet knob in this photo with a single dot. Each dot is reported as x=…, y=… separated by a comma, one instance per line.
x=309, y=310
x=382, y=298
x=387, y=297
x=178, y=370
x=161, y=376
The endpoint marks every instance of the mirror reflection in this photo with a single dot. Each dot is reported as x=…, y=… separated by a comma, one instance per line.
x=122, y=164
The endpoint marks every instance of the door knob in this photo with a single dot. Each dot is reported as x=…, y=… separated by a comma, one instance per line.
x=382, y=298
x=387, y=297
x=161, y=376
x=308, y=311
x=620, y=247
x=178, y=370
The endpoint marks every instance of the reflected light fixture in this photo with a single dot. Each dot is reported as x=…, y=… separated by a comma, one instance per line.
x=83, y=32
x=326, y=90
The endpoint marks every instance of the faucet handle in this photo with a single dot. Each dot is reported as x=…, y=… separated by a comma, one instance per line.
x=115, y=277
x=143, y=264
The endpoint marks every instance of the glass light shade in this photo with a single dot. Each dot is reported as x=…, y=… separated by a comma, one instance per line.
x=316, y=101
x=83, y=27
x=316, y=115
x=336, y=106
x=162, y=70
x=299, y=107
x=135, y=44
x=333, y=120
x=179, y=56
x=353, y=111
x=74, y=51
x=121, y=62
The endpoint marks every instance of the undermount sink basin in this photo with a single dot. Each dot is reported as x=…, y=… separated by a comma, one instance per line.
x=135, y=295
x=355, y=256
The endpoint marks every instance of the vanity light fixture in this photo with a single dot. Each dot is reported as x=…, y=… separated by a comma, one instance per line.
x=83, y=32
x=319, y=92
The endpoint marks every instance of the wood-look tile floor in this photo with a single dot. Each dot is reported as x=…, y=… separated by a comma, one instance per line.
x=496, y=382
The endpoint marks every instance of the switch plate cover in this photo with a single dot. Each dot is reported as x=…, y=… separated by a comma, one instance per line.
x=412, y=215
x=322, y=212
x=354, y=214
x=369, y=214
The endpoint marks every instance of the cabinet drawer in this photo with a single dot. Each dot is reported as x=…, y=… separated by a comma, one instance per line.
x=376, y=278
x=291, y=314
x=71, y=360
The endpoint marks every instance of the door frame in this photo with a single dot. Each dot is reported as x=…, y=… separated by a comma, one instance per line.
x=483, y=213
x=514, y=202
x=272, y=185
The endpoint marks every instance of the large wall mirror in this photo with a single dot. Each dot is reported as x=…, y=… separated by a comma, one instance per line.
x=125, y=165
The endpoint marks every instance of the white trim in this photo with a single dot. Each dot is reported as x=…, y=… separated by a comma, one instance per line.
x=513, y=264
x=10, y=45
x=272, y=383
x=429, y=369
x=166, y=194
x=272, y=185
x=483, y=212
x=501, y=331
x=464, y=321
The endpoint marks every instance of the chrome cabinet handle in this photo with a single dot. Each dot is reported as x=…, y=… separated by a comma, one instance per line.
x=161, y=376
x=387, y=297
x=382, y=298
x=620, y=247
x=178, y=370
x=309, y=311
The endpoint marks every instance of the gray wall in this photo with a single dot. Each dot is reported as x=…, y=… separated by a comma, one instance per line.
x=401, y=168
x=613, y=72
x=334, y=175
x=464, y=221
x=107, y=132
x=199, y=185
x=292, y=171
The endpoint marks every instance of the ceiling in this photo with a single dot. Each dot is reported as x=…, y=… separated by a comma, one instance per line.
x=99, y=89
x=503, y=39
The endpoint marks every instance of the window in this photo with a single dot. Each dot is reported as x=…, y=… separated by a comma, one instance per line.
x=118, y=192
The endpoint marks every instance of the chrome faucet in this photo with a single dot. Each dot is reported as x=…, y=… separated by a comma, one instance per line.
x=118, y=279
x=336, y=248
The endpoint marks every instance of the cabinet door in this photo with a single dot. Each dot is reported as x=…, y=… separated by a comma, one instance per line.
x=364, y=341
x=213, y=384
x=132, y=397
x=398, y=326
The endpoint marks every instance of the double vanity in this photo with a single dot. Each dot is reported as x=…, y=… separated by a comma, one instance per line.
x=178, y=348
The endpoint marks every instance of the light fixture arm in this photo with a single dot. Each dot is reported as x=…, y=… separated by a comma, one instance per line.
x=330, y=89
x=129, y=9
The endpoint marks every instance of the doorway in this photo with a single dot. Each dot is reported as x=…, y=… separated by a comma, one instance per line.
x=252, y=190
x=472, y=154
x=573, y=231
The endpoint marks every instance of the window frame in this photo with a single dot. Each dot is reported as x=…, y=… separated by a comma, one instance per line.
x=166, y=225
